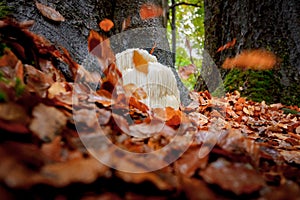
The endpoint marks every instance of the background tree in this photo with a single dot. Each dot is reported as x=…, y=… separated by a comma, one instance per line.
x=83, y=16
x=272, y=25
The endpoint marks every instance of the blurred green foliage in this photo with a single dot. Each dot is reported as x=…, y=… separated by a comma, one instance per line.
x=189, y=26
x=4, y=9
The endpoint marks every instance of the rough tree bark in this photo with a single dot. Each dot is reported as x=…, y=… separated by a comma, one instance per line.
x=84, y=15
x=273, y=25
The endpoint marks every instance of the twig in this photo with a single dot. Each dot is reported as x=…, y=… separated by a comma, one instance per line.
x=184, y=3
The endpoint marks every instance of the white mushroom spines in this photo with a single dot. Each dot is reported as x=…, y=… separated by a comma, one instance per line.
x=158, y=81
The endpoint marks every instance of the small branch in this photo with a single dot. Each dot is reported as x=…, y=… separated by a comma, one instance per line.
x=184, y=3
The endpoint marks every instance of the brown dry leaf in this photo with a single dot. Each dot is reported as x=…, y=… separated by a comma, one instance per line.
x=236, y=177
x=189, y=162
x=103, y=116
x=86, y=117
x=73, y=171
x=94, y=39
x=186, y=71
x=8, y=59
x=106, y=25
x=149, y=10
x=13, y=112
x=56, y=89
x=134, y=103
x=47, y=122
x=291, y=156
x=141, y=64
x=132, y=90
x=154, y=178
x=48, y=68
x=99, y=45
x=196, y=189
x=252, y=59
x=37, y=81
x=53, y=150
x=145, y=130
x=49, y=12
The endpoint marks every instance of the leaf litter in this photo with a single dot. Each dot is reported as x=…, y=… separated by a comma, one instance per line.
x=248, y=149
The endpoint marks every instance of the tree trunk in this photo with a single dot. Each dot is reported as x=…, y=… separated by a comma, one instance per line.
x=271, y=25
x=84, y=15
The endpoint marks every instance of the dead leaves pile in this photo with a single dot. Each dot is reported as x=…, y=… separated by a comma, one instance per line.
x=239, y=147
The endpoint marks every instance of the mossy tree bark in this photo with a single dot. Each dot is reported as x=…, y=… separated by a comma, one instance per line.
x=272, y=25
x=84, y=15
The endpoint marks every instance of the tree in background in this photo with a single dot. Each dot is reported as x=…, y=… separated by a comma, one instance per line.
x=83, y=16
x=270, y=25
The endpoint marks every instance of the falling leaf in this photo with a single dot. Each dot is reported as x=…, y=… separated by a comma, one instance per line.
x=153, y=48
x=149, y=10
x=186, y=71
x=106, y=25
x=141, y=64
x=227, y=45
x=252, y=59
x=49, y=12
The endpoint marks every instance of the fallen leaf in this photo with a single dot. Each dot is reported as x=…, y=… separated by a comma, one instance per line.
x=196, y=189
x=99, y=46
x=148, y=11
x=53, y=150
x=13, y=112
x=141, y=64
x=189, y=162
x=154, y=178
x=236, y=177
x=291, y=156
x=47, y=122
x=49, y=12
x=106, y=25
x=8, y=59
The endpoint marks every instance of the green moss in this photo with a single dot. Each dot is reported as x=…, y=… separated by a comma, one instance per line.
x=255, y=85
x=4, y=9
x=19, y=87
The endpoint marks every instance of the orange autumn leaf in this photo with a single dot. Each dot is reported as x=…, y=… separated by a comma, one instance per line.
x=153, y=48
x=251, y=59
x=141, y=64
x=99, y=46
x=227, y=45
x=49, y=12
x=94, y=39
x=148, y=11
x=106, y=25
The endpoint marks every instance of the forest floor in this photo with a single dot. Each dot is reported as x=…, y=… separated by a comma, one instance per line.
x=50, y=125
